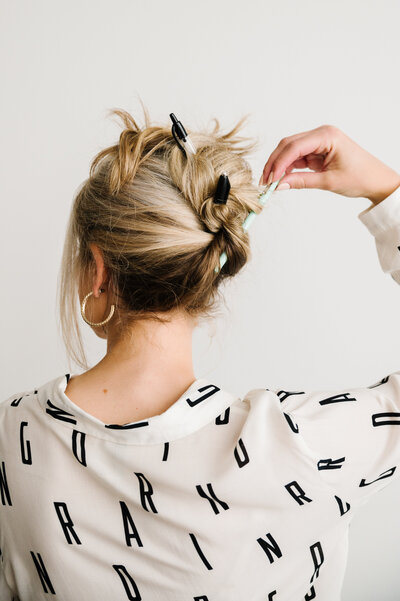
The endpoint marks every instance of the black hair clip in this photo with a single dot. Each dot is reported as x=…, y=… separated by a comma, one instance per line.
x=180, y=135
x=223, y=187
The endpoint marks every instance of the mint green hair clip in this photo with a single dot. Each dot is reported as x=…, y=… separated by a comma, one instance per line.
x=262, y=199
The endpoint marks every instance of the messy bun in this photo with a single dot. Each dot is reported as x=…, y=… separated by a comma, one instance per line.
x=149, y=208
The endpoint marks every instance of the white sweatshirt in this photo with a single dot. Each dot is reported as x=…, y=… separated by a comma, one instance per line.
x=219, y=498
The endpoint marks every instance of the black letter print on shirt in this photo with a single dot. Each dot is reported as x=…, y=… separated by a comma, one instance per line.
x=245, y=460
x=284, y=394
x=126, y=426
x=166, y=451
x=201, y=598
x=81, y=455
x=128, y=521
x=341, y=506
x=16, y=402
x=271, y=595
x=337, y=398
x=66, y=522
x=60, y=414
x=383, y=381
x=205, y=496
x=43, y=575
x=4, y=490
x=128, y=582
x=378, y=421
x=28, y=457
x=317, y=565
x=267, y=547
x=293, y=426
x=223, y=418
x=386, y=474
x=200, y=552
x=203, y=397
x=330, y=464
x=145, y=493
x=311, y=594
x=297, y=497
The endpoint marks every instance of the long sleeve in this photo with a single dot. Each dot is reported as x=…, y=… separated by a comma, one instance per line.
x=353, y=435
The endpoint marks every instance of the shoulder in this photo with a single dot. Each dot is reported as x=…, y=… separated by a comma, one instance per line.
x=10, y=405
x=13, y=400
x=28, y=397
x=262, y=404
x=320, y=407
x=306, y=403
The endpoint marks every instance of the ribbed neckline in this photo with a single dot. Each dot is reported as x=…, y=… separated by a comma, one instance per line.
x=199, y=404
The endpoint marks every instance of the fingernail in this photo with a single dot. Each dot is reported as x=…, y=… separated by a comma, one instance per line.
x=271, y=178
x=283, y=186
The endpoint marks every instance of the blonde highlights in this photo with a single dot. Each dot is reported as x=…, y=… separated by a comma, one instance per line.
x=149, y=208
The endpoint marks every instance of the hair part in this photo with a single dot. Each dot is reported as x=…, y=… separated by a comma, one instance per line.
x=150, y=210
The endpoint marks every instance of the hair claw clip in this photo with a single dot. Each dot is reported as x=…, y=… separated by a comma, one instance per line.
x=222, y=191
x=180, y=135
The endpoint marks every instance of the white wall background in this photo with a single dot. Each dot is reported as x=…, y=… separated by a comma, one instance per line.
x=313, y=308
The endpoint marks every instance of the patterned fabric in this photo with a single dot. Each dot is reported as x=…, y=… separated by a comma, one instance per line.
x=219, y=498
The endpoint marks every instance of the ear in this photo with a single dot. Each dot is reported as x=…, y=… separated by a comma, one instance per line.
x=100, y=274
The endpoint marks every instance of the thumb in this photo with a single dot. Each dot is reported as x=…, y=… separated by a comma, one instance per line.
x=305, y=179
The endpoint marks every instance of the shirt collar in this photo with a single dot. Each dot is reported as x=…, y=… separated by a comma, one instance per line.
x=198, y=405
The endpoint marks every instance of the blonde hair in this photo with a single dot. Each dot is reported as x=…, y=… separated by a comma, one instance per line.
x=150, y=210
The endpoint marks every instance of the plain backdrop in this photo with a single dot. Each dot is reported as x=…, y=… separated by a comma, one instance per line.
x=312, y=309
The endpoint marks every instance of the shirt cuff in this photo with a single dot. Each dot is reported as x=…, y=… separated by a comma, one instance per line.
x=383, y=221
x=383, y=216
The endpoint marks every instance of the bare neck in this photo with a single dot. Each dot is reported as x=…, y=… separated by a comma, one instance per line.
x=139, y=376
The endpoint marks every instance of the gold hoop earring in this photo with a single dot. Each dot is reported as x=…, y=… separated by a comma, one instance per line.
x=91, y=323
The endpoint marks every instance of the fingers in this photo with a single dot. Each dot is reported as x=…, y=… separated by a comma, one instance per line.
x=272, y=157
x=308, y=179
x=295, y=149
x=291, y=151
